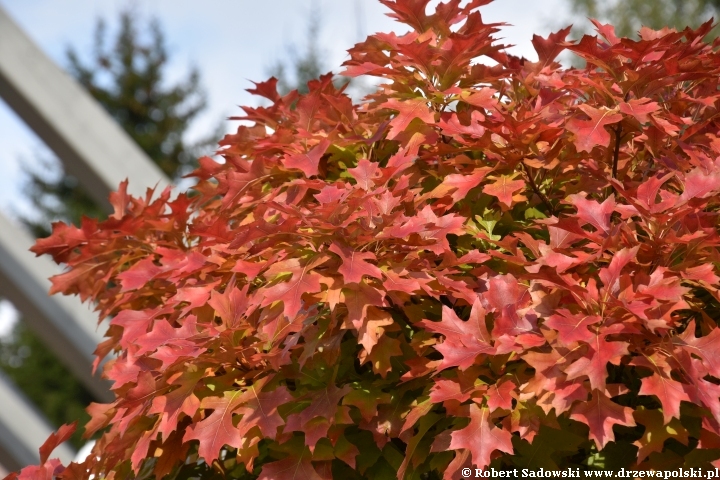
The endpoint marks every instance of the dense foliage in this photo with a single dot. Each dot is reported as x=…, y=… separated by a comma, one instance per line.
x=503, y=265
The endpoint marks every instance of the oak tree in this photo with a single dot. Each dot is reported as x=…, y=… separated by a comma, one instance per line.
x=484, y=264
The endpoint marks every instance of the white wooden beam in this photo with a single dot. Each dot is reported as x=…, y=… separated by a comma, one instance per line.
x=65, y=325
x=100, y=155
x=91, y=145
x=23, y=430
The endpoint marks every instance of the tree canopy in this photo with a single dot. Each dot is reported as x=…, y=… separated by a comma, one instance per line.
x=506, y=264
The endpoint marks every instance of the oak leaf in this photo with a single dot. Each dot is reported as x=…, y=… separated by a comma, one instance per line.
x=600, y=414
x=464, y=340
x=308, y=161
x=481, y=437
x=408, y=110
x=291, y=468
x=594, y=362
x=668, y=391
x=303, y=280
x=355, y=264
x=589, y=133
x=217, y=429
x=504, y=188
x=704, y=347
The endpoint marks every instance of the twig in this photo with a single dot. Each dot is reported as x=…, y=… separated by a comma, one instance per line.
x=616, y=154
x=537, y=191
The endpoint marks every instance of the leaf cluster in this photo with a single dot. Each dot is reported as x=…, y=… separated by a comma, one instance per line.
x=503, y=263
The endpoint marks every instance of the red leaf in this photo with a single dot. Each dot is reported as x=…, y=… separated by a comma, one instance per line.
x=704, y=273
x=371, y=328
x=504, y=290
x=135, y=324
x=607, y=31
x=139, y=274
x=698, y=184
x=611, y=275
x=594, y=363
x=56, y=438
x=639, y=108
x=308, y=161
x=385, y=348
x=549, y=48
x=699, y=390
x=217, y=429
x=572, y=327
x=594, y=213
x=231, y=305
x=500, y=395
x=504, y=188
x=261, y=410
x=459, y=184
x=330, y=193
x=47, y=471
x=267, y=89
x=668, y=391
x=589, y=133
x=180, y=400
x=453, y=127
x=648, y=190
x=408, y=110
x=600, y=414
x=316, y=419
x=456, y=329
x=464, y=341
x=355, y=264
x=446, y=389
x=481, y=437
x=303, y=280
x=398, y=281
x=291, y=468
x=364, y=173
x=483, y=98
x=162, y=334
x=358, y=297
x=704, y=347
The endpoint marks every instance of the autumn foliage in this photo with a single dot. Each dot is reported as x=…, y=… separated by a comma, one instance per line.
x=488, y=262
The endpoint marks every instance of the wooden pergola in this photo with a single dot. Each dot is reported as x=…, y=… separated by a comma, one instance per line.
x=93, y=148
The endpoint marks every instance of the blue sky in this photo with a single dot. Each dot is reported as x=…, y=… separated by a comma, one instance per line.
x=230, y=41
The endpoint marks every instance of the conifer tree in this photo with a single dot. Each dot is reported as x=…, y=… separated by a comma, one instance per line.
x=629, y=16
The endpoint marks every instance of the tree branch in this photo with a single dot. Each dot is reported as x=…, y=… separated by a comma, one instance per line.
x=537, y=191
x=616, y=154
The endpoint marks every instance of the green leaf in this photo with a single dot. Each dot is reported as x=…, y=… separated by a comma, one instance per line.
x=533, y=212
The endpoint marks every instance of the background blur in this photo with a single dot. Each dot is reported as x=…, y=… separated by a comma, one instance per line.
x=171, y=71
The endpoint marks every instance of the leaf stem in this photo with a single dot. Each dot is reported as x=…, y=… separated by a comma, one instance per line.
x=616, y=153
x=535, y=188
